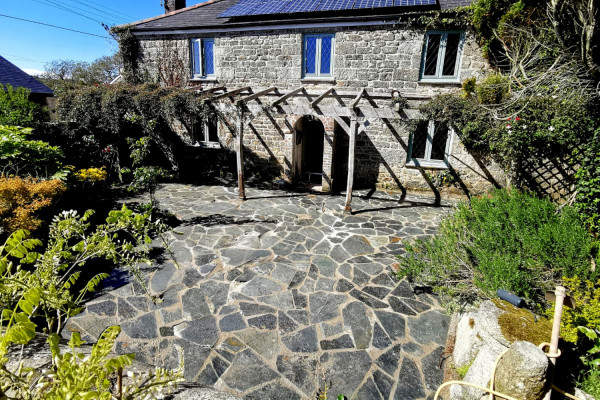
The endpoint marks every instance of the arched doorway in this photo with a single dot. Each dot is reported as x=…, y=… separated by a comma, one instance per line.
x=308, y=150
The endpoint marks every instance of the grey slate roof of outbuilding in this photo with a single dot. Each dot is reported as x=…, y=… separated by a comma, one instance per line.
x=12, y=75
x=206, y=15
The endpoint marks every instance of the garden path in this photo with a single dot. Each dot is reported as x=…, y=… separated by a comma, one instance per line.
x=280, y=293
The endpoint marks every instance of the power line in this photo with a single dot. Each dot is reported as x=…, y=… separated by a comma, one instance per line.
x=105, y=10
x=13, y=56
x=108, y=8
x=55, y=26
x=60, y=7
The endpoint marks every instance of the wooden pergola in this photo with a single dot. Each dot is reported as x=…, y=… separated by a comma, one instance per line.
x=243, y=97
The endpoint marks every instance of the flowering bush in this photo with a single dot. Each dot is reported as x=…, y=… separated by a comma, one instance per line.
x=21, y=198
x=91, y=175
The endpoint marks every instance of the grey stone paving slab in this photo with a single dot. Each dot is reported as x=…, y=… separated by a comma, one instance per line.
x=275, y=296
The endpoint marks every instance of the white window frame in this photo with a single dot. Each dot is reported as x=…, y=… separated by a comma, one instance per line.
x=439, y=78
x=205, y=130
x=200, y=59
x=427, y=162
x=317, y=74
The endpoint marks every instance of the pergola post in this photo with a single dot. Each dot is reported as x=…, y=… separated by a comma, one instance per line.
x=240, y=153
x=353, y=133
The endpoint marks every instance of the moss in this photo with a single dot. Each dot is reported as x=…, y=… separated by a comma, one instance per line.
x=519, y=324
x=462, y=371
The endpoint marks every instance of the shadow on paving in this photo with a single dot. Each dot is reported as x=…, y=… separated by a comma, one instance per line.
x=278, y=295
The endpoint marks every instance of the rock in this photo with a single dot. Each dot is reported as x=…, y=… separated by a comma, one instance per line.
x=470, y=342
x=202, y=394
x=380, y=339
x=431, y=326
x=265, y=343
x=394, y=324
x=342, y=342
x=260, y=286
x=355, y=317
x=143, y=327
x=304, y=341
x=249, y=309
x=523, y=372
x=368, y=391
x=104, y=308
x=300, y=370
x=357, y=245
x=346, y=370
x=273, y=391
x=324, y=306
x=202, y=332
x=388, y=361
x=383, y=383
x=267, y=321
x=410, y=386
x=247, y=371
x=430, y=365
x=232, y=322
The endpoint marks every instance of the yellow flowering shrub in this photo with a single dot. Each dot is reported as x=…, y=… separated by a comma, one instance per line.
x=21, y=198
x=587, y=310
x=91, y=174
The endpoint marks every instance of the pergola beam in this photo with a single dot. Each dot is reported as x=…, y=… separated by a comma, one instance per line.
x=230, y=93
x=240, y=154
x=321, y=97
x=287, y=96
x=354, y=102
x=351, y=152
x=255, y=95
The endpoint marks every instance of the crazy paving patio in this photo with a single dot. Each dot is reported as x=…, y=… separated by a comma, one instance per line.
x=279, y=294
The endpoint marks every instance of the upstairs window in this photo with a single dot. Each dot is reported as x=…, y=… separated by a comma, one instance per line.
x=317, y=59
x=441, y=56
x=203, y=58
x=430, y=144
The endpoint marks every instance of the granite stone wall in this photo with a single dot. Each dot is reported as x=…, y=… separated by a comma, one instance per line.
x=379, y=58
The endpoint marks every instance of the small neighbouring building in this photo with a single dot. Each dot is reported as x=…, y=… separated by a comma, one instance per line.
x=12, y=75
x=316, y=88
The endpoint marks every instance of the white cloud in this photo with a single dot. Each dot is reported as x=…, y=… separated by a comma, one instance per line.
x=33, y=72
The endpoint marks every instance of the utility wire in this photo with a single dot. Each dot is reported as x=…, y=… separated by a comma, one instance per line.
x=60, y=7
x=55, y=26
x=107, y=10
x=71, y=8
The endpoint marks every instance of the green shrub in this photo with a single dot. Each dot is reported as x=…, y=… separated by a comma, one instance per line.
x=16, y=108
x=587, y=311
x=507, y=240
x=22, y=156
x=492, y=90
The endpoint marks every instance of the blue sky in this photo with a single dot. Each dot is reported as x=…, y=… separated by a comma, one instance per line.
x=29, y=45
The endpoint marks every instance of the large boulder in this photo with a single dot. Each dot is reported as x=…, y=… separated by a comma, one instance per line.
x=483, y=335
x=523, y=372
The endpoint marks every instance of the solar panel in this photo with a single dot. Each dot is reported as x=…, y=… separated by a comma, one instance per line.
x=270, y=7
x=364, y=4
x=244, y=7
x=335, y=5
x=301, y=6
x=267, y=7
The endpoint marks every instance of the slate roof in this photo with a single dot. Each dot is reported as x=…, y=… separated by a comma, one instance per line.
x=12, y=75
x=205, y=16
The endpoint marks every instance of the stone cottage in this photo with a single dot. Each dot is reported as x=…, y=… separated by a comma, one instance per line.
x=323, y=92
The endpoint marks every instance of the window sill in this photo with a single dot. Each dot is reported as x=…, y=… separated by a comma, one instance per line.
x=210, y=79
x=317, y=80
x=427, y=164
x=207, y=145
x=439, y=81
